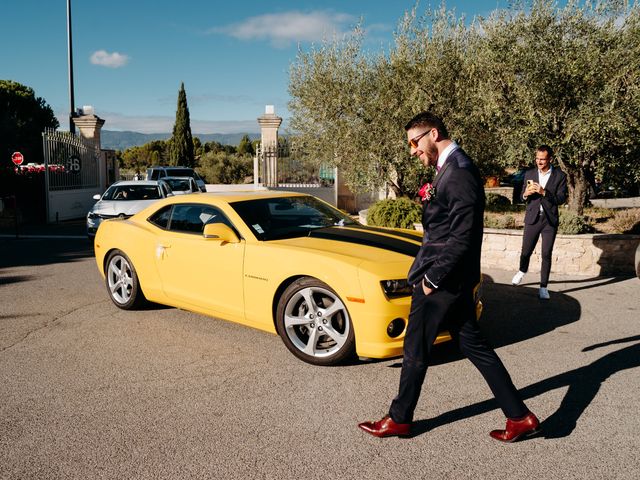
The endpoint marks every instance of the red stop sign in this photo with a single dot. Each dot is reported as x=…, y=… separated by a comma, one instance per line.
x=17, y=158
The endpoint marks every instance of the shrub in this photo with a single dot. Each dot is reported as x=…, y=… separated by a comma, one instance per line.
x=497, y=202
x=627, y=220
x=394, y=212
x=225, y=168
x=572, y=224
x=501, y=221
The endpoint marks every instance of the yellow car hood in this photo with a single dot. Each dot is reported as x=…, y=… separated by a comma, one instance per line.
x=360, y=243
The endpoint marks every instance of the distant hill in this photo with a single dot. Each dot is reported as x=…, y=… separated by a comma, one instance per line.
x=114, y=140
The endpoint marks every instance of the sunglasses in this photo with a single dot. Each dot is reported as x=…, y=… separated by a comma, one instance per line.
x=414, y=141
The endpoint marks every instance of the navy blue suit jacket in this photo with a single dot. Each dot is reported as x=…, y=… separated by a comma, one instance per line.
x=453, y=227
x=555, y=194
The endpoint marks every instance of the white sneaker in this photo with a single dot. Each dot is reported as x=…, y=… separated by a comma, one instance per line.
x=517, y=278
x=543, y=293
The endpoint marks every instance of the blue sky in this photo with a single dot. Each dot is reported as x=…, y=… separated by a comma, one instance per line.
x=131, y=55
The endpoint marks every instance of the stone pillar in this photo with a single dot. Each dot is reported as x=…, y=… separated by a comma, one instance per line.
x=269, y=123
x=89, y=125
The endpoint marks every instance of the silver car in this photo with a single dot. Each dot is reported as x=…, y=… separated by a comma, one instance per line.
x=123, y=199
x=182, y=185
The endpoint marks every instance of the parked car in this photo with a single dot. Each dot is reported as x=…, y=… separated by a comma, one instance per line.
x=182, y=185
x=123, y=199
x=286, y=263
x=160, y=172
x=515, y=180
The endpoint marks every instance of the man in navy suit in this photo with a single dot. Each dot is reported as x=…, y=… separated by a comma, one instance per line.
x=444, y=274
x=546, y=188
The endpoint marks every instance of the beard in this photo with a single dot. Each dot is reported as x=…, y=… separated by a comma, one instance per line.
x=431, y=153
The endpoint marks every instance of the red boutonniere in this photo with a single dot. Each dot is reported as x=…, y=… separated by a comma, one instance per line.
x=427, y=192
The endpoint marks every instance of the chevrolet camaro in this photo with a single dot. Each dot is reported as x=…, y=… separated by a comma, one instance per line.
x=286, y=263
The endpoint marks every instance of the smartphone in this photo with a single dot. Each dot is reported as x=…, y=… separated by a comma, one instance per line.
x=529, y=182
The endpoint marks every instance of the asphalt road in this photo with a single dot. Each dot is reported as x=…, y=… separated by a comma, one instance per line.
x=88, y=391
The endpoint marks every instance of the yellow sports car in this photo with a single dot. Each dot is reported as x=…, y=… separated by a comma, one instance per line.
x=283, y=262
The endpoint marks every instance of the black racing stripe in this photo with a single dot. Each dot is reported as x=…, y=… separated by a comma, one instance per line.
x=365, y=238
x=396, y=233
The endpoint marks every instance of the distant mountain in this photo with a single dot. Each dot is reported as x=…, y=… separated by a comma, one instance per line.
x=114, y=140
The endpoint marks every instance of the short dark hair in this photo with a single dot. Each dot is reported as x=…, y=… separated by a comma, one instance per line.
x=545, y=148
x=429, y=120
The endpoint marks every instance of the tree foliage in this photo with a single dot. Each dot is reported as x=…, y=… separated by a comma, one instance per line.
x=181, y=150
x=226, y=168
x=138, y=158
x=568, y=78
x=245, y=147
x=23, y=118
x=528, y=75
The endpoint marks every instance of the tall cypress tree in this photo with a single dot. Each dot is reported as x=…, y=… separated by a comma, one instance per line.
x=181, y=151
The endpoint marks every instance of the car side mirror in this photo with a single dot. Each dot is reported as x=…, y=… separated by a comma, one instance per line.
x=97, y=196
x=220, y=232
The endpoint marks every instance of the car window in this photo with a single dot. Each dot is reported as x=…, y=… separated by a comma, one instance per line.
x=161, y=217
x=191, y=218
x=132, y=192
x=282, y=217
x=180, y=184
x=154, y=174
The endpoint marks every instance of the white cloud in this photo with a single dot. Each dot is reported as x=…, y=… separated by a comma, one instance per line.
x=283, y=28
x=110, y=60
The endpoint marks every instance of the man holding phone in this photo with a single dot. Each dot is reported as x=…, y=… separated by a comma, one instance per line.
x=546, y=188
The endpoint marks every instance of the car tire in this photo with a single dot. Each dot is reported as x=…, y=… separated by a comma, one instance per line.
x=122, y=282
x=314, y=323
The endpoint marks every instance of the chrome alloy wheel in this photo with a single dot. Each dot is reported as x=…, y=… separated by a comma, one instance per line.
x=316, y=322
x=120, y=279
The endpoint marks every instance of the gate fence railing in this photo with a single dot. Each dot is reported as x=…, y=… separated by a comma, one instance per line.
x=285, y=166
x=71, y=162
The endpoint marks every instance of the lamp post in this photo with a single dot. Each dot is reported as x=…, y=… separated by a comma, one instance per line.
x=72, y=127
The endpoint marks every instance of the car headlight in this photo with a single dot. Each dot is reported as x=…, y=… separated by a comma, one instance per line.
x=396, y=288
x=93, y=216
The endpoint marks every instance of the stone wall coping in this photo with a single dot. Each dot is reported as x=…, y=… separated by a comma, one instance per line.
x=584, y=236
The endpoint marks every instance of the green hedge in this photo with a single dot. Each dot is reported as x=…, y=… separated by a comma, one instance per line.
x=497, y=202
x=572, y=224
x=394, y=212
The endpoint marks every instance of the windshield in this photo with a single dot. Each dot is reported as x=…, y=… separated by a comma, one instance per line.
x=132, y=192
x=182, y=172
x=286, y=217
x=179, y=184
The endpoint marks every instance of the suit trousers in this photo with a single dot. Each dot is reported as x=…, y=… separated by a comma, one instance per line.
x=455, y=311
x=529, y=239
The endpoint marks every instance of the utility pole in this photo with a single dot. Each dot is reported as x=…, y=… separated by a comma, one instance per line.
x=72, y=127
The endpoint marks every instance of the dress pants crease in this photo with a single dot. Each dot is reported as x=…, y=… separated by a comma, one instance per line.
x=532, y=232
x=454, y=311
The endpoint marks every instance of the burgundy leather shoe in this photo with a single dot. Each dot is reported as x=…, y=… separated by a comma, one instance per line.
x=517, y=429
x=386, y=427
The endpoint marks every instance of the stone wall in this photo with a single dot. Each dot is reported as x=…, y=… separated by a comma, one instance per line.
x=588, y=254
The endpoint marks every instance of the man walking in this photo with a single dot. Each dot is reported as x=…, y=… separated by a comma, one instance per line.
x=546, y=188
x=444, y=274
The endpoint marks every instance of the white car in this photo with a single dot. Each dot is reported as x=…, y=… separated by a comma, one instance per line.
x=182, y=185
x=123, y=199
x=158, y=172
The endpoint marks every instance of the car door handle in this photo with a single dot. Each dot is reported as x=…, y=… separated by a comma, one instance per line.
x=160, y=249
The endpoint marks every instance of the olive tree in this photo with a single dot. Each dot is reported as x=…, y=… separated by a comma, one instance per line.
x=567, y=78
x=349, y=107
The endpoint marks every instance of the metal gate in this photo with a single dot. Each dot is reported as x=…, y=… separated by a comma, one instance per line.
x=72, y=174
x=285, y=168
